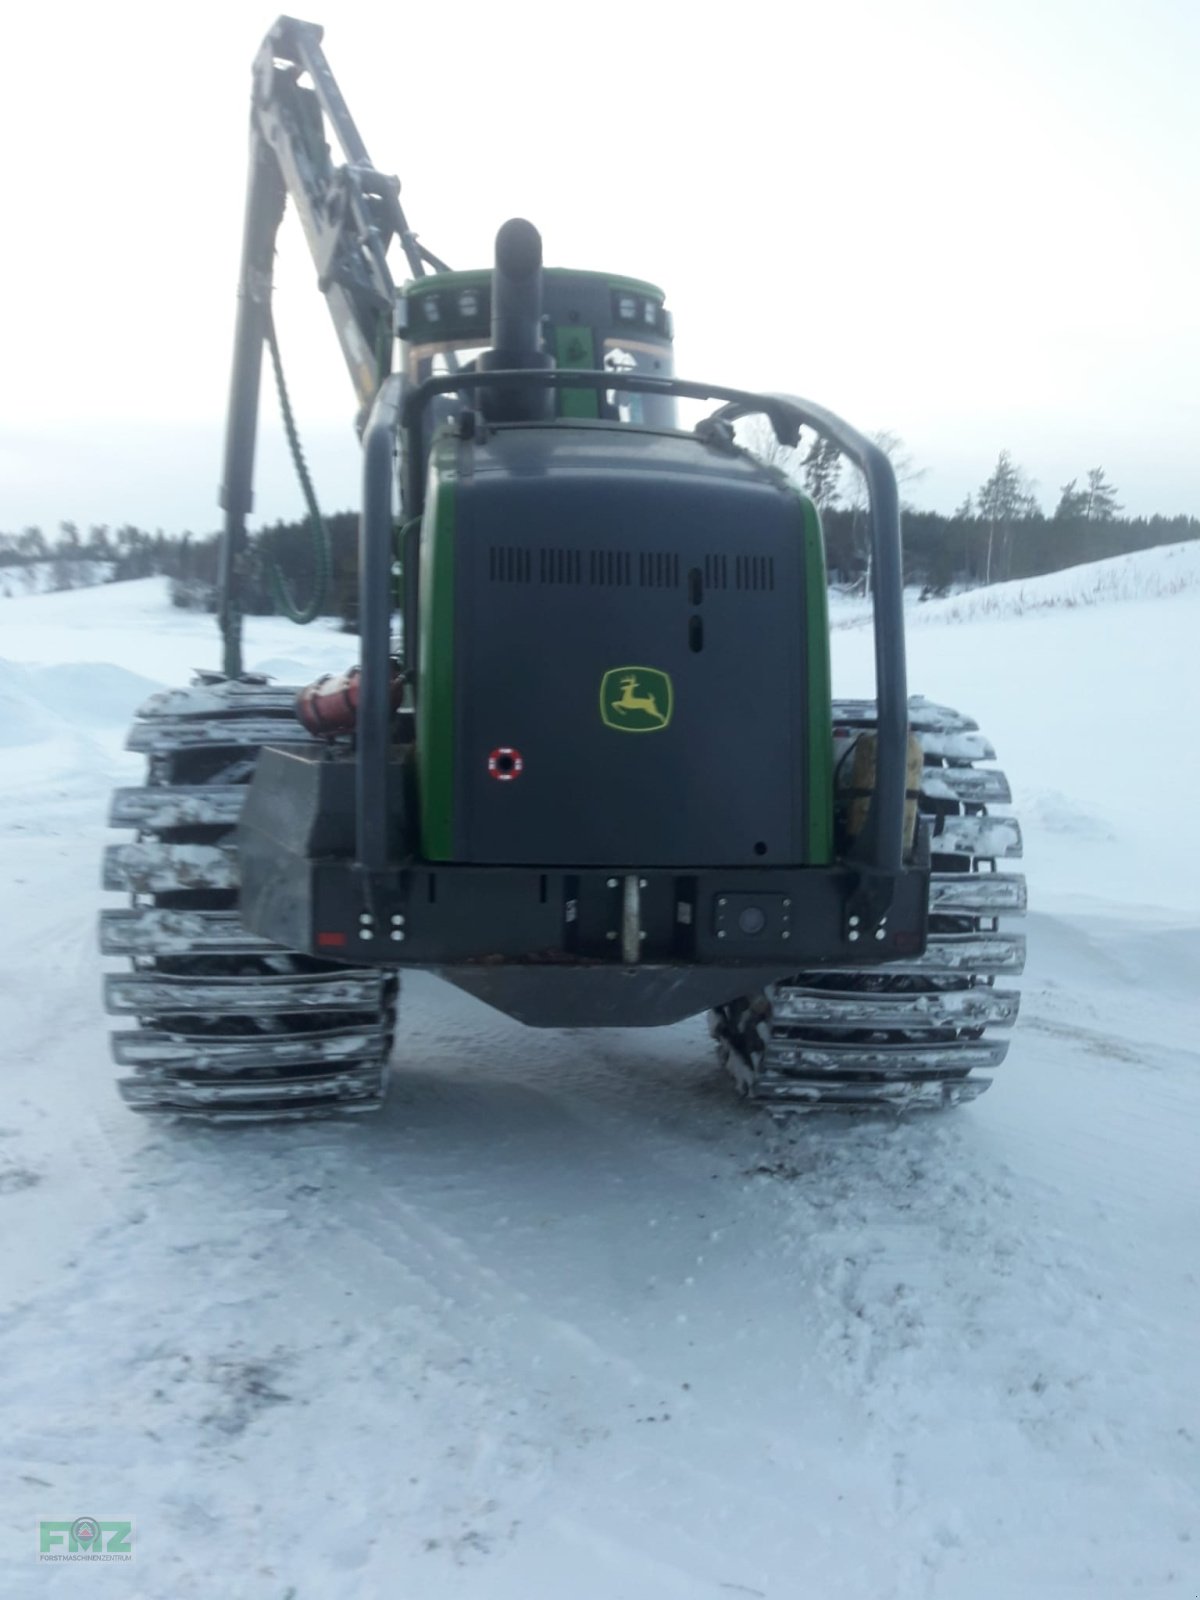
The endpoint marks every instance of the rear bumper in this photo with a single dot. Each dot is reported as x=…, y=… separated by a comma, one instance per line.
x=625, y=945
x=559, y=947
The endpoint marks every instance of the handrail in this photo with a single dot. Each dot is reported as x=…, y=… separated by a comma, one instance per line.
x=375, y=557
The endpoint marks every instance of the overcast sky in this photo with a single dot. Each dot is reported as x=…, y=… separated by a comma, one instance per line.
x=973, y=223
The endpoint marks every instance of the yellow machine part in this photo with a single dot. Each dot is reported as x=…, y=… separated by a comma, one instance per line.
x=856, y=784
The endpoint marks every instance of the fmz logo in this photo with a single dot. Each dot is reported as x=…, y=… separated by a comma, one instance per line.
x=85, y=1539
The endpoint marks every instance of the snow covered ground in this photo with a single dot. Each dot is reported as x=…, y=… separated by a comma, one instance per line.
x=567, y=1320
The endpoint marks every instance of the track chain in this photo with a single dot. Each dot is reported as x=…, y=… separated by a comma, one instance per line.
x=908, y=1035
x=227, y=1026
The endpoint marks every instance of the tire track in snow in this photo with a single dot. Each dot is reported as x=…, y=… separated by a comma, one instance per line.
x=960, y=1306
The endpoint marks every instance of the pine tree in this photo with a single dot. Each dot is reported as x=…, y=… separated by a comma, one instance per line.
x=822, y=473
x=1072, y=504
x=758, y=436
x=1100, y=498
x=900, y=456
x=855, y=494
x=1006, y=498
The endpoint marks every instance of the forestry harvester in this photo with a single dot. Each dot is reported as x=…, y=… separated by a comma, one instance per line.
x=588, y=767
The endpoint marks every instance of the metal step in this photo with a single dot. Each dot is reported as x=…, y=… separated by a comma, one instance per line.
x=884, y=1060
x=924, y=716
x=146, y=994
x=141, y=1047
x=222, y=700
x=957, y=746
x=857, y=1008
x=975, y=786
x=941, y=731
x=307, y=1109
x=989, y=838
x=147, y=931
x=167, y=868
x=167, y=734
x=184, y=806
x=264, y=1097
x=962, y=954
x=985, y=894
x=798, y=1095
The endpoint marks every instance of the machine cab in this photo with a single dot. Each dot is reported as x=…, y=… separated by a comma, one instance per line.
x=591, y=320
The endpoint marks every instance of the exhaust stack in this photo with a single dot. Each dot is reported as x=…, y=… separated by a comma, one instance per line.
x=516, y=327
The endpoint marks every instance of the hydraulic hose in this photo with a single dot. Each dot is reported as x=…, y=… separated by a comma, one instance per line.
x=285, y=601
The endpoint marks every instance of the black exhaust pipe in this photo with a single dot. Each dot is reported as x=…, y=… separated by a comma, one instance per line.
x=516, y=327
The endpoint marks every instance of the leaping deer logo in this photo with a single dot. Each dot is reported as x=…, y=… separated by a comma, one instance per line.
x=631, y=701
x=644, y=703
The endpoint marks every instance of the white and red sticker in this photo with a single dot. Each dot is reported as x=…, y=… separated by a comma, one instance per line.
x=505, y=764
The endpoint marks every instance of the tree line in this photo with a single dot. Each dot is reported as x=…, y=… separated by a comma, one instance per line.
x=1000, y=531
x=74, y=559
x=71, y=557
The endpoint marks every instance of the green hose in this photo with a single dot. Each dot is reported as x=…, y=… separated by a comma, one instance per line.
x=285, y=601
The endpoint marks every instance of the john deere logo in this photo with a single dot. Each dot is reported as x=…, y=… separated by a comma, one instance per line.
x=636, y=699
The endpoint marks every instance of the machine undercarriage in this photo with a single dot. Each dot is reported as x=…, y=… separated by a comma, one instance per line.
x=228, y=1025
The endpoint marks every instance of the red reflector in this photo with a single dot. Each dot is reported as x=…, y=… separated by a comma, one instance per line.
x=505, y=764
x=331, y=941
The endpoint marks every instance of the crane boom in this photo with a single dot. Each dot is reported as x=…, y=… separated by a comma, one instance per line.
x=350, y=214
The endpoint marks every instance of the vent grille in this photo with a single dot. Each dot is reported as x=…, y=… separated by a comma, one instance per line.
x=657, y=570
x=560, y=566
x=613, y=568
x=754, y=572
x=716, y=572
x=509, y=563
x=610, y=569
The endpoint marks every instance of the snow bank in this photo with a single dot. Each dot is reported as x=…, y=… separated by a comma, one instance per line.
x=88, y=693
x=22, y=720
x=1142, y=575
x=41, y=577
x=135, y=625
x=39, y=702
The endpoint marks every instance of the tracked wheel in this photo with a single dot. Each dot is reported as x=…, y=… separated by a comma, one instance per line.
x=915, y=1034
x=223, y=1024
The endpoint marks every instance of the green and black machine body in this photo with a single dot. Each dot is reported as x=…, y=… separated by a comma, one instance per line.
x=588, y=767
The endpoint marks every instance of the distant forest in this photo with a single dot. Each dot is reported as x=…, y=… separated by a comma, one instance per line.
x=998, y=533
